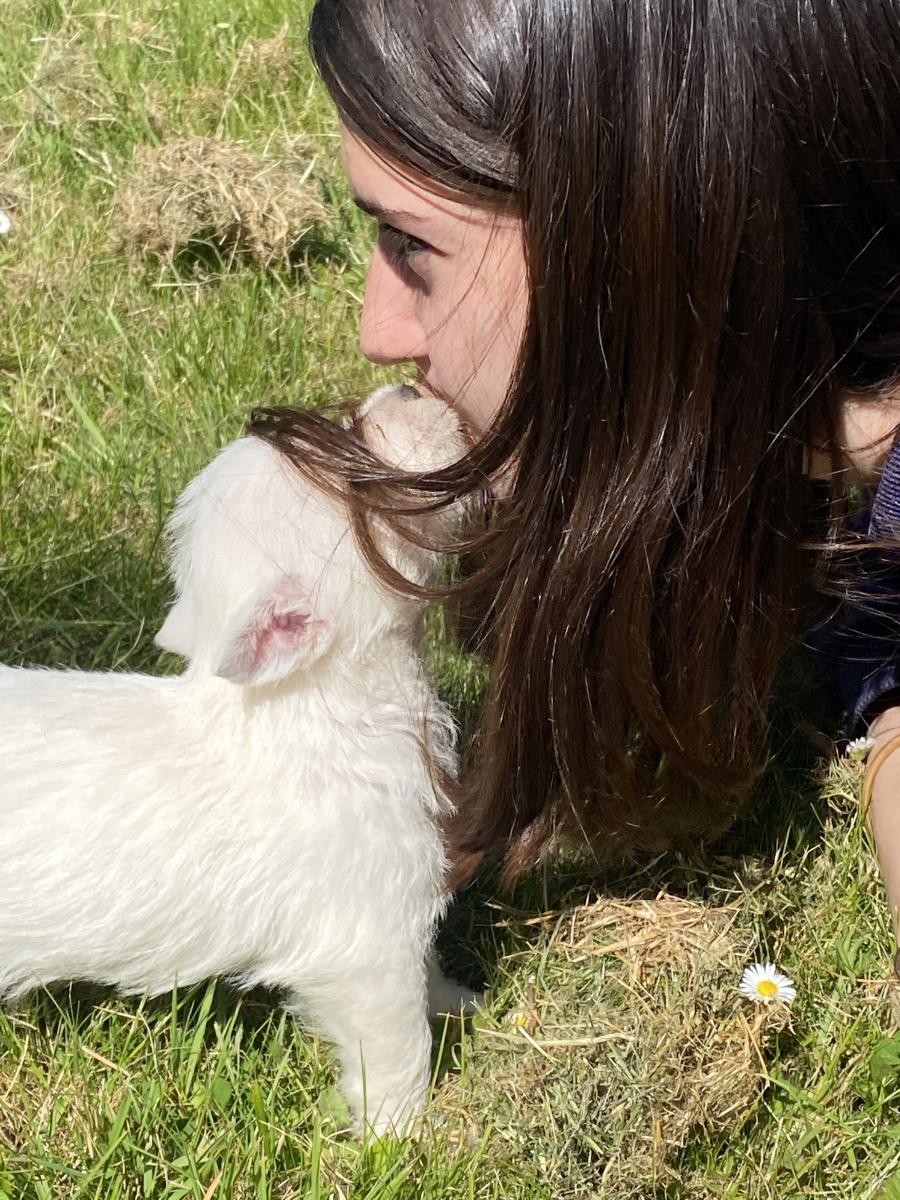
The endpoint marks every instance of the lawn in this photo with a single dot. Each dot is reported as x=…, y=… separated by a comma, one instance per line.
x=615, y=1057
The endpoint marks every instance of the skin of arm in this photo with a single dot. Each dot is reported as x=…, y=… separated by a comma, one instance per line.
x=865, y=430
x=884, y=810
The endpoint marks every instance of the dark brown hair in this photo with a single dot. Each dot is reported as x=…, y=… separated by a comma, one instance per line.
x=710, y=199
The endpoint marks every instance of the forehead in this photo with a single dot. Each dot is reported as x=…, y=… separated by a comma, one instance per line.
x=400, y=196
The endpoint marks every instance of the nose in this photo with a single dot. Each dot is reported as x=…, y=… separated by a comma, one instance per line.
x=390, y=330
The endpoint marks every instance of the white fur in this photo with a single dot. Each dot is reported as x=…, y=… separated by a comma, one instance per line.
x=266, y=816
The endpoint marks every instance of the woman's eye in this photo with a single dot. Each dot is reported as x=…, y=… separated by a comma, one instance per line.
x=400, y=247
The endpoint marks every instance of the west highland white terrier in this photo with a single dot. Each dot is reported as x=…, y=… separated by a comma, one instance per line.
x=269, y=815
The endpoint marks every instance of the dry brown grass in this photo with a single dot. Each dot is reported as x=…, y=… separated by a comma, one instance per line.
x=653, y=1047
x=15, y=192
x=273, y=59
x=204, y=190
x=66, y=85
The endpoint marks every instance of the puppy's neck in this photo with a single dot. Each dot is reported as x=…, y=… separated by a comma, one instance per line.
x=386, y=667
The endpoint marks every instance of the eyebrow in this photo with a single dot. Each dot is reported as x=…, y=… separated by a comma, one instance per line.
x=391, y=215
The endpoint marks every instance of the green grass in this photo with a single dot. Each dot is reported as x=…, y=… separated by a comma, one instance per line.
x=638, y=1072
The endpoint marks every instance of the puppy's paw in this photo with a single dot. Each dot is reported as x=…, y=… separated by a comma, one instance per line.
x=446, y=997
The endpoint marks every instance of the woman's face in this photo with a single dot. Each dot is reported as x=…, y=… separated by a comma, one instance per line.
x=445, y=289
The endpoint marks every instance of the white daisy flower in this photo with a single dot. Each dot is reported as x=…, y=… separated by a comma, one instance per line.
x=859, y=748
x=763, y=983
x=5, y=223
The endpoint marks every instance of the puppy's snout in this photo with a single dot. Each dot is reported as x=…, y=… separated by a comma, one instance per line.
x=408, y=392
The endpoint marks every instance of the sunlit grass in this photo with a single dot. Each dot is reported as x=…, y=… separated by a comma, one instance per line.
x=119, y=377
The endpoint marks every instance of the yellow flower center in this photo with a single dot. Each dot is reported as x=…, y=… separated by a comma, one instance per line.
x=766, y=987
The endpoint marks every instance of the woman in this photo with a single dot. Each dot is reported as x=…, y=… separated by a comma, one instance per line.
x=650, y=249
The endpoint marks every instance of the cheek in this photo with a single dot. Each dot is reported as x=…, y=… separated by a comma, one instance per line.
x=472, y=312
x=475, y=351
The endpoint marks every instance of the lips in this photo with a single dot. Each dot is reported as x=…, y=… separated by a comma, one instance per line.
x=422, y=386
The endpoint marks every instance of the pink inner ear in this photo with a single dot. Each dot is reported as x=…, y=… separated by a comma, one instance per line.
x=274, y=641
x=280, y=633
x=289, y=622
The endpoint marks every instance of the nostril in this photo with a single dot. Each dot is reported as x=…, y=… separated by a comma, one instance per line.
x=407, y=392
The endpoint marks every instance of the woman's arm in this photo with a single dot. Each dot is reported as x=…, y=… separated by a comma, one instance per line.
x=884, y=809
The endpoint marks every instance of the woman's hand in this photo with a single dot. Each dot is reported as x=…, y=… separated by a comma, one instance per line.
x=884, y=810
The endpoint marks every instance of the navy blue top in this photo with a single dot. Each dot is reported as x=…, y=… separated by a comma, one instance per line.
x=859, y=648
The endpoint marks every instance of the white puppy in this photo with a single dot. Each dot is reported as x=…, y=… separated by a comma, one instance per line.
x=268, y=815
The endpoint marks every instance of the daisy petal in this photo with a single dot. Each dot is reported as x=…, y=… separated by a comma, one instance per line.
x=763, y=983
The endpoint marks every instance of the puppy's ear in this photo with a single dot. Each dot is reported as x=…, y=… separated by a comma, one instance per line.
x=276, y=633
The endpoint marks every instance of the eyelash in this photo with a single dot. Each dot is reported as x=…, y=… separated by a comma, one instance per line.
x=400, y=247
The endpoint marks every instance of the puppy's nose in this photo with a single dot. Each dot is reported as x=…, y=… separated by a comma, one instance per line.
x=406, y=392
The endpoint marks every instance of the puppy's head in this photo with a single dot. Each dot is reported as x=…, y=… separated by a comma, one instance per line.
x=410, y=431
x=268, y=575
x=417, y=434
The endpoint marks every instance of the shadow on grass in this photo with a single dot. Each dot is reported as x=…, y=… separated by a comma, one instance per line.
x=74, y=1005
x=783, y=819
x=209, y=256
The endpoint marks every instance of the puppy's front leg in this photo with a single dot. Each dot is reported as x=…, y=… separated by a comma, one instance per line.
x=378, y=1022
x=446, y=996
